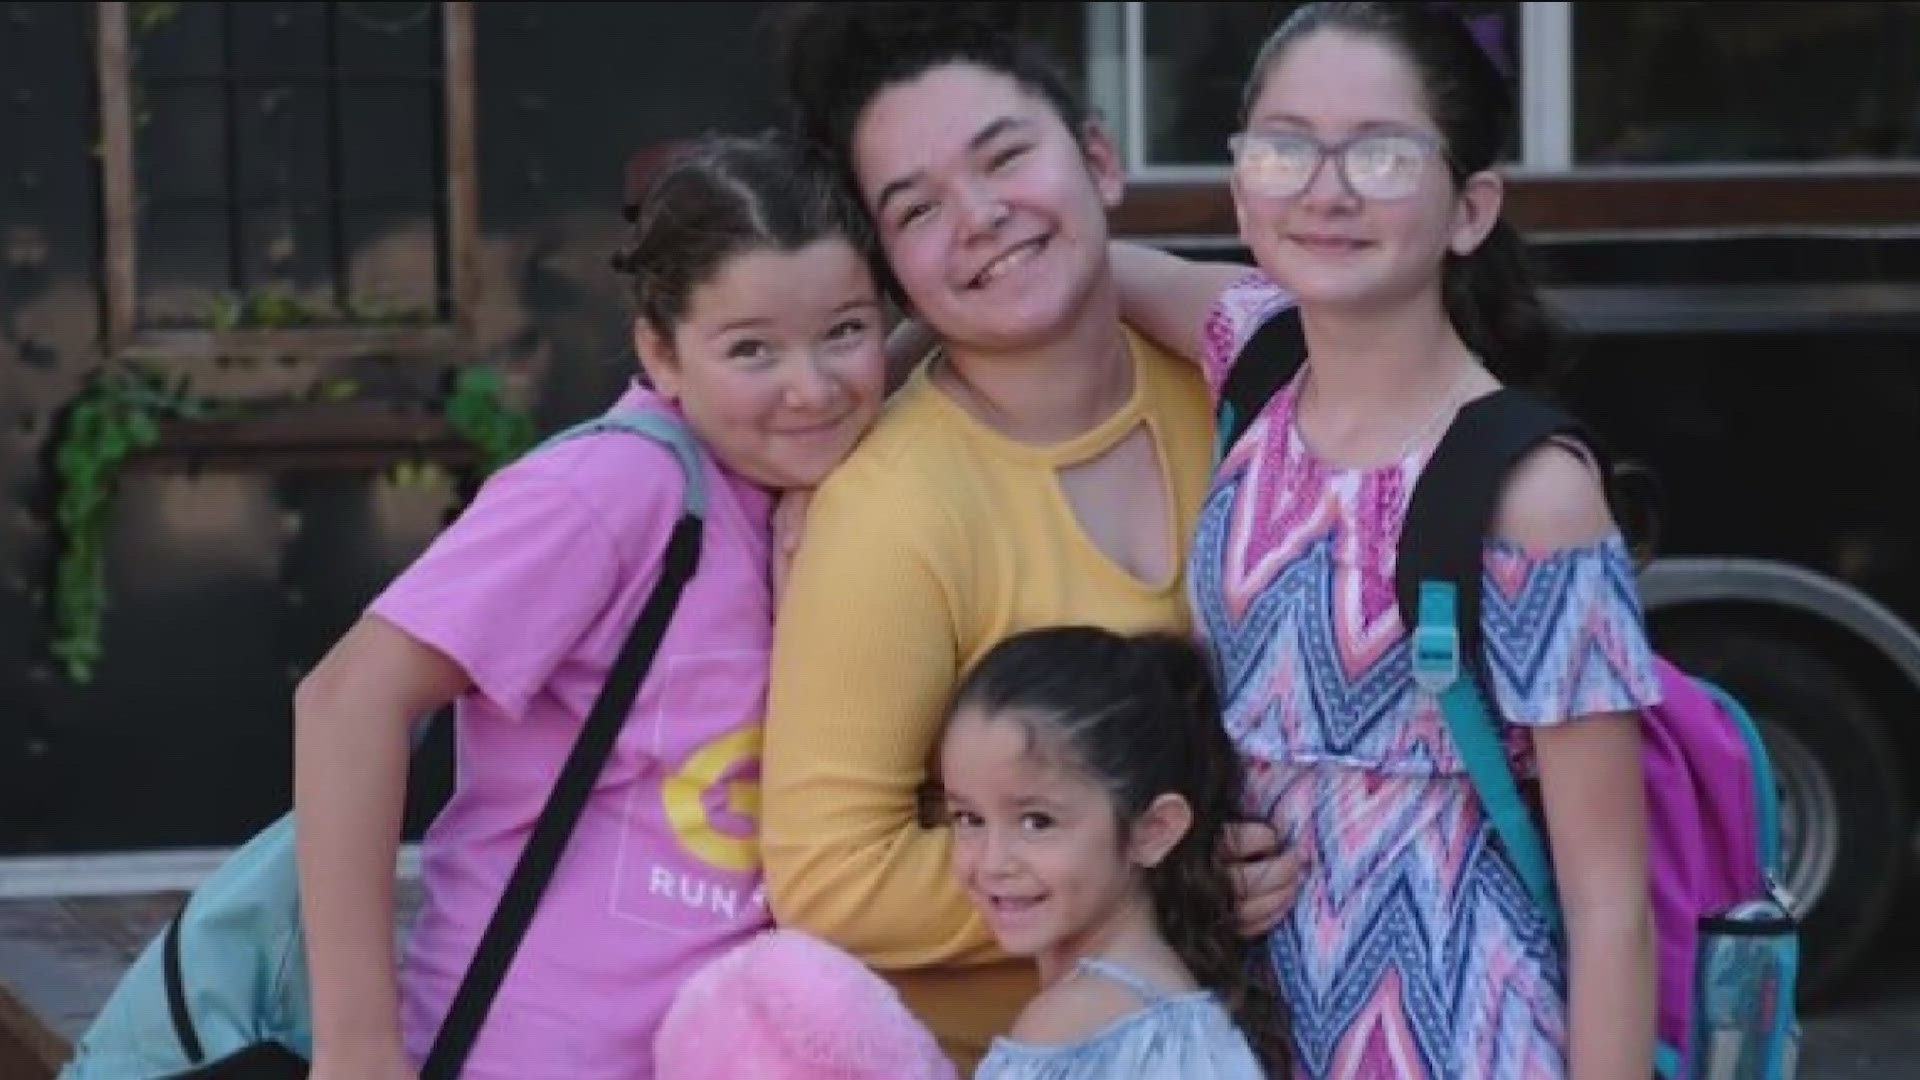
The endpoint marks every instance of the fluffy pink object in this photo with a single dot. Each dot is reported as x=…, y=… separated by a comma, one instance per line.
x=788, y=1006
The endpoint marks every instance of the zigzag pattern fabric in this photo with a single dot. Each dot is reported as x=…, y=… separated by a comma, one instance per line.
x=1413, y=950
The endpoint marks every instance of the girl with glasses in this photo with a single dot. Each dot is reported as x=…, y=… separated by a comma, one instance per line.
x=1364, y=186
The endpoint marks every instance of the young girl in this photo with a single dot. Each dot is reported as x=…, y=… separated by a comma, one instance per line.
x=1365, y=188
x=1089, y=782
x=759, y=329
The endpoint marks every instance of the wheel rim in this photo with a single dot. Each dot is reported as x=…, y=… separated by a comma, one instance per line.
x=1809, y=817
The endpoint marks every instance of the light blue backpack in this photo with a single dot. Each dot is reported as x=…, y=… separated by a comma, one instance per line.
x=222, y=992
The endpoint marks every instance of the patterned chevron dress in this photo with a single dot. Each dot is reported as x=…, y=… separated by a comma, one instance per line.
x=1413, y=951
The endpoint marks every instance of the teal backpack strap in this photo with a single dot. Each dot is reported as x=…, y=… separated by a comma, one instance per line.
x=1437, y=668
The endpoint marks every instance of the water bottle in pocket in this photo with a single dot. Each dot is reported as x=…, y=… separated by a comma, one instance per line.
x=1743, y=999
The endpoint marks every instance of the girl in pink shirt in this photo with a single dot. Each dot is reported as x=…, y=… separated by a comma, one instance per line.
x=760, y=330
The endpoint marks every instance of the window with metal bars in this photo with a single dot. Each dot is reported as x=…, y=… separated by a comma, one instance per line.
x=289, y=165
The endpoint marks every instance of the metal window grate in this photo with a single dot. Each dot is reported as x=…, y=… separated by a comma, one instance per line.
x=330, y=83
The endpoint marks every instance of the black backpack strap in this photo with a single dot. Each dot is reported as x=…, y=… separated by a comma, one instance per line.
x=1450, y=513
x=175, y=981
x=591, y=749
x=1270, y=360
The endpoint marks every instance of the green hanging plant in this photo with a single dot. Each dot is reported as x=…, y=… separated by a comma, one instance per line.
x=478, y=412
x=119, y=413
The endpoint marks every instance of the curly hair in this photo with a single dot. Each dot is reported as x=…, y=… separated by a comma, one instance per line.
x=836, y=57
x=1140, y=715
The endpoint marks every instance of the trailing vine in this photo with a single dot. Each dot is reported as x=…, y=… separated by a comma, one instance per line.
x=119, y=413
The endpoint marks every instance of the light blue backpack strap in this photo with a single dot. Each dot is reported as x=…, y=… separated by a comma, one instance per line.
x=1437, y=667
x=662, y=429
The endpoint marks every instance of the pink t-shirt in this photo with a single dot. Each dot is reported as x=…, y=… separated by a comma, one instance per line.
x=532, y=591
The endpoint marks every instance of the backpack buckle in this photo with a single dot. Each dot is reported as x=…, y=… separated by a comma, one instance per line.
x=1436, y=657
x=1436, y=640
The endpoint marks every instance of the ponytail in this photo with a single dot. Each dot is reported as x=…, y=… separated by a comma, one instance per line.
x=1496, y=308
x=1194, y=898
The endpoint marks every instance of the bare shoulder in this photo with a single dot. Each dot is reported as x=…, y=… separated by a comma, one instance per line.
x=1073, y=1010
x=1554, y=500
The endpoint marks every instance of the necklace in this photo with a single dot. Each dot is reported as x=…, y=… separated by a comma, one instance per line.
x=1420, y=434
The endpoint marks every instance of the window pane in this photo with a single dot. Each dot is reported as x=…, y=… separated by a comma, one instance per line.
x=183, y=269
x=388, y=142
x=263, y=185
x=282, y=133
x=1199, y=55
x=1688, y=82
x=180, y=142
x=287, y=266
x=395, y=38
x=396, y=273
x=176, y=39
x=283, y=37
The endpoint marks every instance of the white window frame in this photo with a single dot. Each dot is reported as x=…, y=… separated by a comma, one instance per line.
x=1546, y=94
x=1546, y=91
x=1546, y=87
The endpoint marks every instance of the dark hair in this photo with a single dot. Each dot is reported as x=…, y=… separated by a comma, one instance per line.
x=1140, y=715
x=1490, y=294
x=719, y=196
x=837, y=57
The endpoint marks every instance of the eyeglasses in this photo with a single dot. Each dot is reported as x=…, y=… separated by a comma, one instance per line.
x=1379, y=165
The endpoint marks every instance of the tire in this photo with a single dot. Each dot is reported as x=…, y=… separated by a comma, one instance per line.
x=1845, y=821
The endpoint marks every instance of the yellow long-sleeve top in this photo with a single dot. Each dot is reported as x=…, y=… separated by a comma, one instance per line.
x=937, y=538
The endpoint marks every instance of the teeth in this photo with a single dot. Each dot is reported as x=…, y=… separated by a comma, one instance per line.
x=1004, y=263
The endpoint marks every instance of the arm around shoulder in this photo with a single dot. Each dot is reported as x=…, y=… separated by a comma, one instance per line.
x=1168, y=298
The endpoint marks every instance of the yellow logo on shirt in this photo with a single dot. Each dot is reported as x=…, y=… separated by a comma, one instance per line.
x=684, y=794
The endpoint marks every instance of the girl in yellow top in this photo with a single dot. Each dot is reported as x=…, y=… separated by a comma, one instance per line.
x=1045, y=467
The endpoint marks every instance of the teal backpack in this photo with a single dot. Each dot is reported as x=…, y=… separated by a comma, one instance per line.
x=221, y=993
